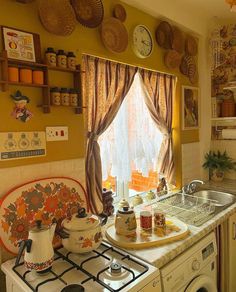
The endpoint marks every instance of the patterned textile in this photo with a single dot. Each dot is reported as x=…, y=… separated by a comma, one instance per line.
x=105, y=85
x=160, y=89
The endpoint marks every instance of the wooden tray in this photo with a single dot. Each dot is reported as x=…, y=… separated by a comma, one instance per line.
x=145, y=239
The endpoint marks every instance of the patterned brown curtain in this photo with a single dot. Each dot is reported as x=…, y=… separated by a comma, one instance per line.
x=105, y=85
x=160, y=88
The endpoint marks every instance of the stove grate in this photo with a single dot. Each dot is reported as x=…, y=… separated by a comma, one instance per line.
x=80, y=267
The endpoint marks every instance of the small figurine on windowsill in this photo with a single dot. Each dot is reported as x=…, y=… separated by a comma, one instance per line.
x=162, y=188
x=20, y=112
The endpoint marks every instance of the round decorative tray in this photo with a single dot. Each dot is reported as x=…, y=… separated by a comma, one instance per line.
x=175, y=230
x=88, y=12
x=114, y=35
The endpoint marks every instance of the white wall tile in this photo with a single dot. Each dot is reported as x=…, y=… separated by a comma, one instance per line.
x=191, y=166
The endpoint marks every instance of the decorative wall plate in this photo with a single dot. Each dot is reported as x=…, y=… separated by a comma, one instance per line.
x=88, y=12
x=114, y=35
x=172, y=59
x=44, y=199
x=177, y=40
x=164, y=35
x=119, y=12
x=57, y=16
x=191, y=47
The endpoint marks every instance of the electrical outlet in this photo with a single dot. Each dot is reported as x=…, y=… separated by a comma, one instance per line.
x=56, y=133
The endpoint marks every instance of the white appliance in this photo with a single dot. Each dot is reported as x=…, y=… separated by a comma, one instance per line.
x=193, y=270
x=105, y=269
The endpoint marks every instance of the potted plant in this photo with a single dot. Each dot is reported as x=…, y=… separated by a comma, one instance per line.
x=218, y=163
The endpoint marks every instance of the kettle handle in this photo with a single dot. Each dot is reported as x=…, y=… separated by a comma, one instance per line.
x=103, y=218
x=23, y=244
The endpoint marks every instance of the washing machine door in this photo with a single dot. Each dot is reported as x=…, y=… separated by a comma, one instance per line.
x=202, y=283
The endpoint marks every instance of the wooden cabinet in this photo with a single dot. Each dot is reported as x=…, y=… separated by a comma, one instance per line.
x=46, y=104
x=232, y=252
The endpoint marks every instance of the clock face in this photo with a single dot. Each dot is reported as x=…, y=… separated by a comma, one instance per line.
x=142, y=41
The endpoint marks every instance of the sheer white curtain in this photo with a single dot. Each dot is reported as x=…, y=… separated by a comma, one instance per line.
x=132, y=142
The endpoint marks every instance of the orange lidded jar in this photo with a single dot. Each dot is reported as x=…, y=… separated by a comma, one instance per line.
x=26, y=75
x=13, y=74
x=38, y=77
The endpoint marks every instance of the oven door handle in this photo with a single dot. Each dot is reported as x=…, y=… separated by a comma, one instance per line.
x=234, y=231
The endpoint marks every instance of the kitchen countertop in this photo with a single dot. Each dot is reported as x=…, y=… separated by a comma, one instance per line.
x=160, y=256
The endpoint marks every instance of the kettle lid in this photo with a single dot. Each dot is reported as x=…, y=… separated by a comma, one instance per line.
x=38, y=226
x=126, y=210
x=81, y=221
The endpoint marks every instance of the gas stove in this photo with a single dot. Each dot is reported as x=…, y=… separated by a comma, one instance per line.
x=105, y=269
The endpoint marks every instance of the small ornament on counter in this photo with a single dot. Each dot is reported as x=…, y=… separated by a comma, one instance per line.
x=123, y=203
x=71, y=61
x=65, y=97
x=137, y=200
x=107, y=197
x=20, y=112
x=51, y=57
x=73, y=97
x=150, y=195
x=61, y=59
x=55, y=95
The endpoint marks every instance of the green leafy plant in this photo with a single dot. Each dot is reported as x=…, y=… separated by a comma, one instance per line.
x=220, y=161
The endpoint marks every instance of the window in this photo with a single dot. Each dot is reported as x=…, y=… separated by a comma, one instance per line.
x=130, y=146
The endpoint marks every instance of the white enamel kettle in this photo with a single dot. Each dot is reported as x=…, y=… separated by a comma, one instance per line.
x=39, y=251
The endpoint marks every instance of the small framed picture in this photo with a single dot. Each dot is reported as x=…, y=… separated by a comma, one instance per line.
x=190, y=108
x=21, y=45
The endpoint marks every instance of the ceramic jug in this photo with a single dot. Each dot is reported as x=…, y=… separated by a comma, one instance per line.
x=38, y=247
x=125, y=221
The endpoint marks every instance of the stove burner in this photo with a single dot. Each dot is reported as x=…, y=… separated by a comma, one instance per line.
x=115, y=268
x=73, y=288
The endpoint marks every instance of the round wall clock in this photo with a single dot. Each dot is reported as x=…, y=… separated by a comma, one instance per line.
x=142, y=41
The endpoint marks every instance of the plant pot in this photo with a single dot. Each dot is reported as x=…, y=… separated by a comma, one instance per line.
x=216, y=174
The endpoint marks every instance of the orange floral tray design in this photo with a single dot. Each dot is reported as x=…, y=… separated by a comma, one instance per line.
x=44, y=199
x=175, y=230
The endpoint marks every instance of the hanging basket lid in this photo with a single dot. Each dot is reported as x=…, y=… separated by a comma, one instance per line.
x=119, y=12
x=172, y=59
x=114, y=35
x=57, y=16
x=191, y=47
x=89, y=13
x=177, y=40
x=164, y=35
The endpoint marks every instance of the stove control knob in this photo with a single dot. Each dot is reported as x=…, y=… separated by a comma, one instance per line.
x=195, y=265
x=155, y=283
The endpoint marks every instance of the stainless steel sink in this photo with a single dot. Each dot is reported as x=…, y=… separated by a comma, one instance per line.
x=218, y=199
x=197, y=208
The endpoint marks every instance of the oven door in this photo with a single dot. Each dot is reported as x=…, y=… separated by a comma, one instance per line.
x=202, y=283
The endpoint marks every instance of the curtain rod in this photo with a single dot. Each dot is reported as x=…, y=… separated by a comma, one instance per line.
x=139, y=67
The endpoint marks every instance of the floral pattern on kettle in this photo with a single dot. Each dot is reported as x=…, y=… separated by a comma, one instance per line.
x=48, y=202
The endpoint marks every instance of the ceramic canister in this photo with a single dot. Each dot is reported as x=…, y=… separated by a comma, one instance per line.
x=26, y=75
x=55, y=95
x=51, y=57
x=71, y=61
x=61, y=59
x=38, y=77
x=65, y=97
x=73, y=97
x=13, y=74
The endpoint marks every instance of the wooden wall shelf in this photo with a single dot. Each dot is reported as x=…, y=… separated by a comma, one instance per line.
x=5, y=62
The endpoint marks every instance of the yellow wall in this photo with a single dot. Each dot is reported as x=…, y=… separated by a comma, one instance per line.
x=82, y=40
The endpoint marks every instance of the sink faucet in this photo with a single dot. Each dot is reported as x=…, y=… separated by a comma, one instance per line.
x=191, y=187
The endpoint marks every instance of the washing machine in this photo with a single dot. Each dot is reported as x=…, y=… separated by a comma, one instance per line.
x=194, y=270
